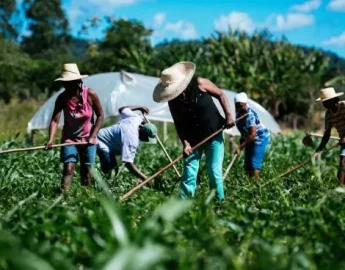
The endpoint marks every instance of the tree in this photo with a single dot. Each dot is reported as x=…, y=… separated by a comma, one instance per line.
x=126, y=46
x=49, y=29
x=8, y=23
x=14, y=70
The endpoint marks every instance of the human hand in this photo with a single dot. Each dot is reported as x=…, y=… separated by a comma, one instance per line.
x=238, y=151
x=92, y=140
x=145, y=110
x=229, y=121
x=49, y=145
x=187, y=149
x=316, y=155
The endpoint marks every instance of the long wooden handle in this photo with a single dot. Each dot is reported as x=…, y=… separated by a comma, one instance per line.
x=305, y=163
x=230, y=165
x=131, y=192
x=164, y=150
x=39, y=147
x=320, y=136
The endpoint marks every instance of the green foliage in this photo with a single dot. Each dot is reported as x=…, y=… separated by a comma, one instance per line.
x=8, y=24
x=49, y=29
x=291, y=223
x=284, y=78
x=14, y=69
x=125, y=46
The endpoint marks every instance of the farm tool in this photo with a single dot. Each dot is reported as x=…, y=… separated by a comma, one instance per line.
x=163, y=148
x=230, y=165
x=308, y=141
x=14, y=150
x=131, y=192
x=306, y=162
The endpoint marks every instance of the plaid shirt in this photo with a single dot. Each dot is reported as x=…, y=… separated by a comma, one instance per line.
x=336, y=120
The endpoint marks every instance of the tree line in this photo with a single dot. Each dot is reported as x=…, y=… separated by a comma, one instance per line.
x=281, y=76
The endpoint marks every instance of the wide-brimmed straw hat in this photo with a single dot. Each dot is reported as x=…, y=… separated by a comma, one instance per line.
x=327, y=94
x=173, y=81
x=70, y=72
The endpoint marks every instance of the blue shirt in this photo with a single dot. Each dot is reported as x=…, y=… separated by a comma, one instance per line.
x=252, y=120
x=123, y=137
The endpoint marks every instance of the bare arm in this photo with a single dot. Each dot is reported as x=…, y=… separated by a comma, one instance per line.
x=213, y=90
x=97, y=107
x=324, y=140
x=250, y=139
x=135, y=108
x=135, y=171
x=54, y=122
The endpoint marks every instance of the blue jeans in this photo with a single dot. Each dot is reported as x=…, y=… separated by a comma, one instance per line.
x=214, y=151
x=107, y=160
x=254, y=154
x=71, y=153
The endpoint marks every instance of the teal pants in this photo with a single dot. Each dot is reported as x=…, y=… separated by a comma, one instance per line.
x=214, y=151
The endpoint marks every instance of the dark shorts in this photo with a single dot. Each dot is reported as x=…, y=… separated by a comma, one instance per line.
x=72, y=154
x=254, y=154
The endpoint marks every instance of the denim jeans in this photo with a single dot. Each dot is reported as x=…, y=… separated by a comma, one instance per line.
x=214, y=151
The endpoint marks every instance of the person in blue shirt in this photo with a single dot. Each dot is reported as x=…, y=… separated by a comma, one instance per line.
x=255, y=137
x=123, y=139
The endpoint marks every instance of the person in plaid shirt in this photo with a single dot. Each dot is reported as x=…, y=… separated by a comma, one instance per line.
x=335, y=118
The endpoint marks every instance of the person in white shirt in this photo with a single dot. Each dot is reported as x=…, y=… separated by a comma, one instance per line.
x=123, y=139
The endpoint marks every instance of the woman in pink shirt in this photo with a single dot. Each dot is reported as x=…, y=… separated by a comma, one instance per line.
x=79, y=104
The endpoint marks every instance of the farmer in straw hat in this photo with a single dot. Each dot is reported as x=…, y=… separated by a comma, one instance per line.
x=255, y=137
x=124, y=139
x=335, y=117
x=78, y=103
x=196, y=117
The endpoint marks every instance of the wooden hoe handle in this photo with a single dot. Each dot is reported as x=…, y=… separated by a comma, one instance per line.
x=131, y=192
x=14, y=150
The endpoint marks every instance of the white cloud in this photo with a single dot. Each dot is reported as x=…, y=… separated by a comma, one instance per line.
x=182, y=29
x=236, y=20
x=74, y=13
x=307, y=6
x=290, y=22
x=337, y=5
x=338, y=41
x=159, y=19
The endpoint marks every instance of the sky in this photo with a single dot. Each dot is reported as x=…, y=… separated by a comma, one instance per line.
x=315, y=23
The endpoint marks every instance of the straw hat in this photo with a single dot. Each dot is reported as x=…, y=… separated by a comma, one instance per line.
x=173, y=81
x=70, y=72
x=327, y=94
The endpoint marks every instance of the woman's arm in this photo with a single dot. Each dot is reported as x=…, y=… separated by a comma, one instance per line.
x=213, y=90
x=244, y=142
x=97, y=107
x=54, y=122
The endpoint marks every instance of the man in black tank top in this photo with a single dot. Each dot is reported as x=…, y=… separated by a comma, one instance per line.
x=195, y=117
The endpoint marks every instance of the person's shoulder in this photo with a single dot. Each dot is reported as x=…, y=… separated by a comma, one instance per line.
x=91, y=92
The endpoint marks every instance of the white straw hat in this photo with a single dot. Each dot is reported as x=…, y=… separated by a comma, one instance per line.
x=327, y=94
x=241, y=97
x=70, y=72
x=173, y=81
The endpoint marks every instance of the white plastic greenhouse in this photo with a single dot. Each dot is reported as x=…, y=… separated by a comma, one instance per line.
x=119, y=89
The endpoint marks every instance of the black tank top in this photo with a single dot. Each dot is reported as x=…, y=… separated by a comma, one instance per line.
x=197, y=113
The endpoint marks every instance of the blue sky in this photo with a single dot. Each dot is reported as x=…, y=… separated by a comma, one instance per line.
x=317, y=23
